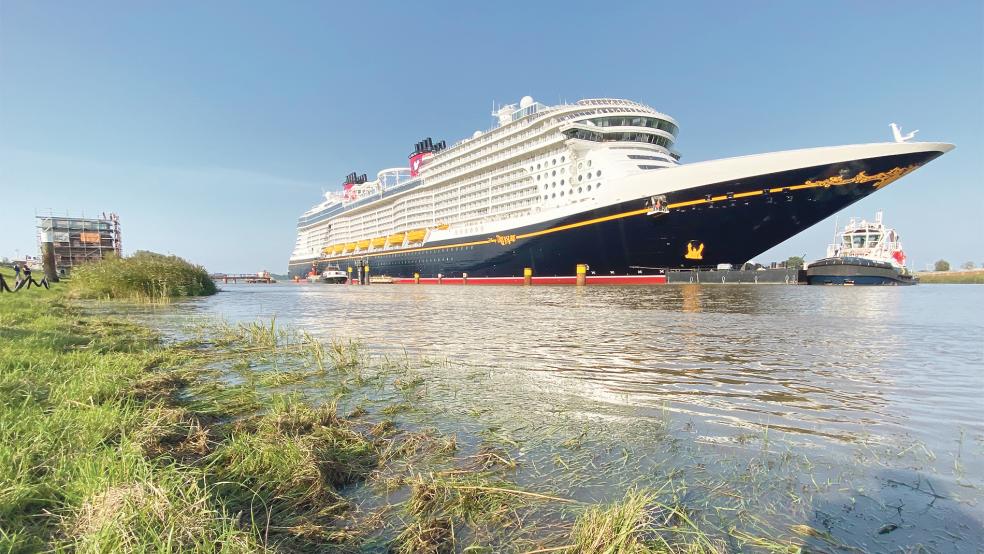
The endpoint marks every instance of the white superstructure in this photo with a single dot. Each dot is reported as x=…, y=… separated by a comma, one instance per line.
x=539, y=163
x=870, y=240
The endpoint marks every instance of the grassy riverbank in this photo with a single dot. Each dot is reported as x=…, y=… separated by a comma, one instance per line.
x=971, y=277
x=254, y=437
x=247, y=438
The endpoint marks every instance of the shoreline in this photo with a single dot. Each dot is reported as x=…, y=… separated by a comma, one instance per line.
x=166, y=451
x=966, y=277
x=255, y=437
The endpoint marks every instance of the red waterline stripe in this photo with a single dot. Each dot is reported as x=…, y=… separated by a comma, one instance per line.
x=562, y=280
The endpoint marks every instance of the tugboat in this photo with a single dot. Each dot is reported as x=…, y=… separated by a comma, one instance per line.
x=334, y=275
x=867, y=253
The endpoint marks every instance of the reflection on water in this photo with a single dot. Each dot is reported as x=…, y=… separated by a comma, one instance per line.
x=836, y=362
x=830, y=369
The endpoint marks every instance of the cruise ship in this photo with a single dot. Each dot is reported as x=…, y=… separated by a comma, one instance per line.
x=594, y=186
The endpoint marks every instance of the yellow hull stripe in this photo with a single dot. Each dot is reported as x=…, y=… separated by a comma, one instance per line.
x=880, y=180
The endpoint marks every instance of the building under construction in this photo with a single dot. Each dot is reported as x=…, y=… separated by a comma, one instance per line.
x=67, y=242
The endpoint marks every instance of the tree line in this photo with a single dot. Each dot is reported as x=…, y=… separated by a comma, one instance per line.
x=943, y=265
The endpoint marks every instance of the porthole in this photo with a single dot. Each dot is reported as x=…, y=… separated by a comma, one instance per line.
x=537, y=177
x=561, y=182
x=589, y=163
x=598, y=186
x=561, y=194
x=553, y=173
x=589, y=175
x=554, y=161
x=589, y=188
x=553, y=184
x=531, y=168
x=580, y=165
x=580, y=178
x=563, y=159
x=598, y=173
x=563, y=170
x=554, y=195
x=579, y=190
x=538, y=166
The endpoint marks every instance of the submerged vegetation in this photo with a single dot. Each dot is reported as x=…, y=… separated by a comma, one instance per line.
x=253, y=437
x=144, y=276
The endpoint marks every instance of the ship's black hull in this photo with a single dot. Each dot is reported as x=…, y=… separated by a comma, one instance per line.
x=745, y=218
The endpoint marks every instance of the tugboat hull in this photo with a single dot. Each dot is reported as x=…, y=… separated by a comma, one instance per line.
x=855, y=271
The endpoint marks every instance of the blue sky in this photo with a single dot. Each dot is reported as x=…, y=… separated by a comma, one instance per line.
x=210, y=126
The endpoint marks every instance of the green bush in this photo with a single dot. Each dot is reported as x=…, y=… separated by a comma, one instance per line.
x=143, y=276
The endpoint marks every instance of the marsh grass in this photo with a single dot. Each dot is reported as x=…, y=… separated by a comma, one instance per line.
x=75, y=472
x=142, y=277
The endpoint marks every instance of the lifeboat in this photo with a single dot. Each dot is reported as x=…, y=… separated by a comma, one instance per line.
x=337, y=249
x=378, y=242
x=350, y=247
x=363, y=244
x=417, y=235
x=395, y=239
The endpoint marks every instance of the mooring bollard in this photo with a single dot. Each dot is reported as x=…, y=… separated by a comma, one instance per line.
x=416, y=278
x=581, y=272
x=440, y=278
x=365, y=274
x=464, y=278
x=350, y=275
x=527, y=275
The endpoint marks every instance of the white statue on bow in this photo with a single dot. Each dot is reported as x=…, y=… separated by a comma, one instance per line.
x=899, y=137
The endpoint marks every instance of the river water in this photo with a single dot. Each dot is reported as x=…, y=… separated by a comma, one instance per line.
x=877, y=392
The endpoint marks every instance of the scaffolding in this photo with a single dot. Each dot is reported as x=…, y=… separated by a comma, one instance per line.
x=78, y=240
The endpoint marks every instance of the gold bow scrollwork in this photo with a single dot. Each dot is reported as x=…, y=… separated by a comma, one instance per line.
x=503, y=240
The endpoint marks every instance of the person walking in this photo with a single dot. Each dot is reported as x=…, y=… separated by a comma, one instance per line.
x=27, y=272
x=16, y=273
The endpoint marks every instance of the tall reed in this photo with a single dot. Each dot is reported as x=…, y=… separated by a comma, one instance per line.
x=144, y=276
